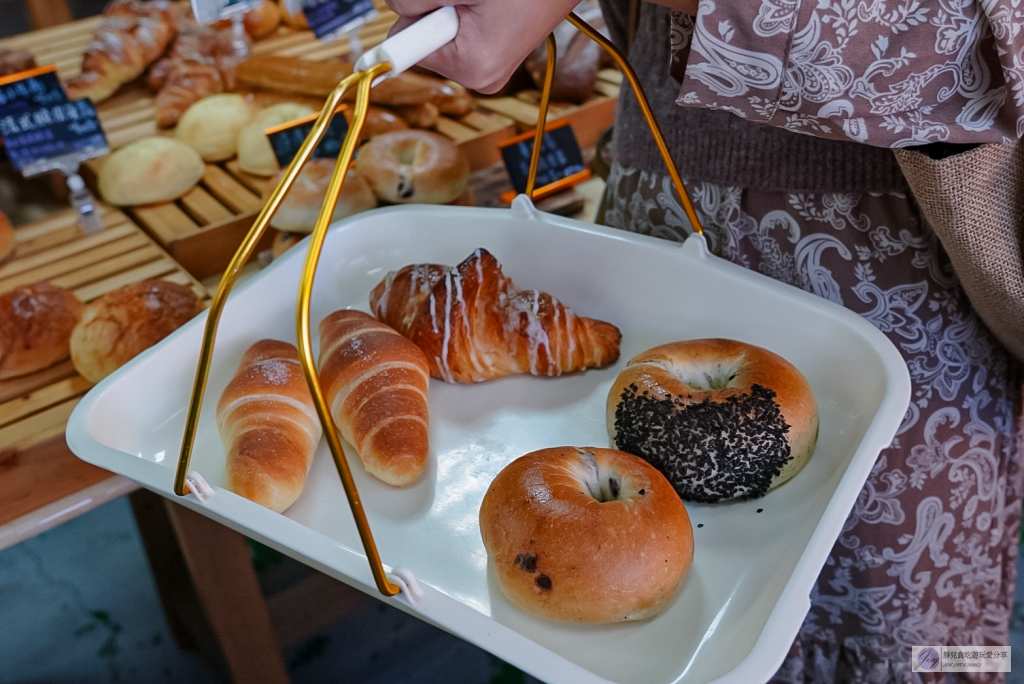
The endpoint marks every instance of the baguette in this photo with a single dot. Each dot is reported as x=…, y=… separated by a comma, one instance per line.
x=267, y=421
x=375, y=382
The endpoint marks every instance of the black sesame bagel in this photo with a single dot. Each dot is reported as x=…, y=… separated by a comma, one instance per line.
x=586, y=535
x=721, y=419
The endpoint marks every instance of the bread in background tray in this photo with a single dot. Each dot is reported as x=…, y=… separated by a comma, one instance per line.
x=35, y=325
x=156, y=169
x=119, y=325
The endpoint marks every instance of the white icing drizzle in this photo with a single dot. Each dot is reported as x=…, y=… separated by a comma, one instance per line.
x=445, y=369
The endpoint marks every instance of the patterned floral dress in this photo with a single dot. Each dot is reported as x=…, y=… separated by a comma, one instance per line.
x=928, y=553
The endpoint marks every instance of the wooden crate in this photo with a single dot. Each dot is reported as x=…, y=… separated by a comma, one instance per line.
x=588, y=120
x=203, y=229
x=35, y=408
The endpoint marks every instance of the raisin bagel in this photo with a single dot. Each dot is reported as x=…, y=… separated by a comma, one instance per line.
x=586, y=535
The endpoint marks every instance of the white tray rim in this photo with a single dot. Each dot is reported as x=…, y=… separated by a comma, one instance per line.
x=350, y=565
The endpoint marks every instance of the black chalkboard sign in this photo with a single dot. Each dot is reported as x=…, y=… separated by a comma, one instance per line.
x=286, y=139
x=331, y=17
x=39, y=138
x=561, y=161
x=30, y=89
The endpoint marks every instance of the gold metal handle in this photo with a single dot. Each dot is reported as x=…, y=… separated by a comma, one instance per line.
x=316, y=243
x=645, y=107
x=363, y=81
x=542, y=117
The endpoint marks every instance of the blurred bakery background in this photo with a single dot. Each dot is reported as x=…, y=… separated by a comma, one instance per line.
x=102, y=582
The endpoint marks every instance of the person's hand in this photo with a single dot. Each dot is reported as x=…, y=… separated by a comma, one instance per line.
x=494, y=37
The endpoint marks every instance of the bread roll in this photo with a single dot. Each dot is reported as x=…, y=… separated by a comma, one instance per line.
x=296, y=21
x=414, y=166
x=255, y=155
x=211, y=125
x=122, y=323
x=156, y=169
x=375, y=382
x=259, y=21
x=301, y=206
x=586, y=535
x=267, y=421
x=35, y=324
x=6, y=238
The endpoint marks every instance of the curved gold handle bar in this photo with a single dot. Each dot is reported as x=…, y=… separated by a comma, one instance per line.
x=238, y=261
x=645, y=107
x=542, y=116
x=316, y=244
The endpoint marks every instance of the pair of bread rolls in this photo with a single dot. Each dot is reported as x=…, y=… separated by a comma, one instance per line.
x=375, y=383
x=42, y=324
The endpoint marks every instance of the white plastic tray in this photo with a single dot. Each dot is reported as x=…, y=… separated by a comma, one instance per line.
x=747, y=593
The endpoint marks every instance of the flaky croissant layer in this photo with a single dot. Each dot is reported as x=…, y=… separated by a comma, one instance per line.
x=474, y=324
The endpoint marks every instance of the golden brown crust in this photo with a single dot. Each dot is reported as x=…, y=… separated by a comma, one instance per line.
x=586, y=535
x=687, y=371
x=474, y=324
x=119, y=325
x=35, y=325
x=423, y=115
x=6, y=238
x=375, y=382
x=268, y=423
x=301, y=206
x=414, y=166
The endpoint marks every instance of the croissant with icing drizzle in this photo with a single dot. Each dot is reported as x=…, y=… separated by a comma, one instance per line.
x=474, y=324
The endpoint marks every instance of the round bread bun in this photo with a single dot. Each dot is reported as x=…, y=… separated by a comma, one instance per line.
x=211, y=125
x=586, y=535
x=721, y=419
x=6, y=238
x=258, y=22
x=297, y=20
x=414, y=166
x=255, y=155
x=35, y=324
x=298, y=211
x=157, y=169
x=122, y=323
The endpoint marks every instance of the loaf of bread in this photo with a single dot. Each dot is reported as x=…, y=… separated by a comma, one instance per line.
x=211, y=125
x=375, y=382
x=268, y=423
x=157, y=169
x=255, y=155
x=119, y=325
x=301, y=206
x=35, y=325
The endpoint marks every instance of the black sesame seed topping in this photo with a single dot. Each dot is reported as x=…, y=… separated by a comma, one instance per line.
x=642, y=492
x=759, y=510
x=708, y=450
x=527, y=562
x=700, y=524
x=543, y=581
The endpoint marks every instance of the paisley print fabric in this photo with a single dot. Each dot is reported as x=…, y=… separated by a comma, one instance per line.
x=928, y=553
x=890, y=73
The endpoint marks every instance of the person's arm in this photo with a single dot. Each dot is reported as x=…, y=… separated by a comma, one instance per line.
x=887, y=77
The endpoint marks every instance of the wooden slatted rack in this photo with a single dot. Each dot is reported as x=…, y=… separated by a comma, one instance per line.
x=36, y=407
